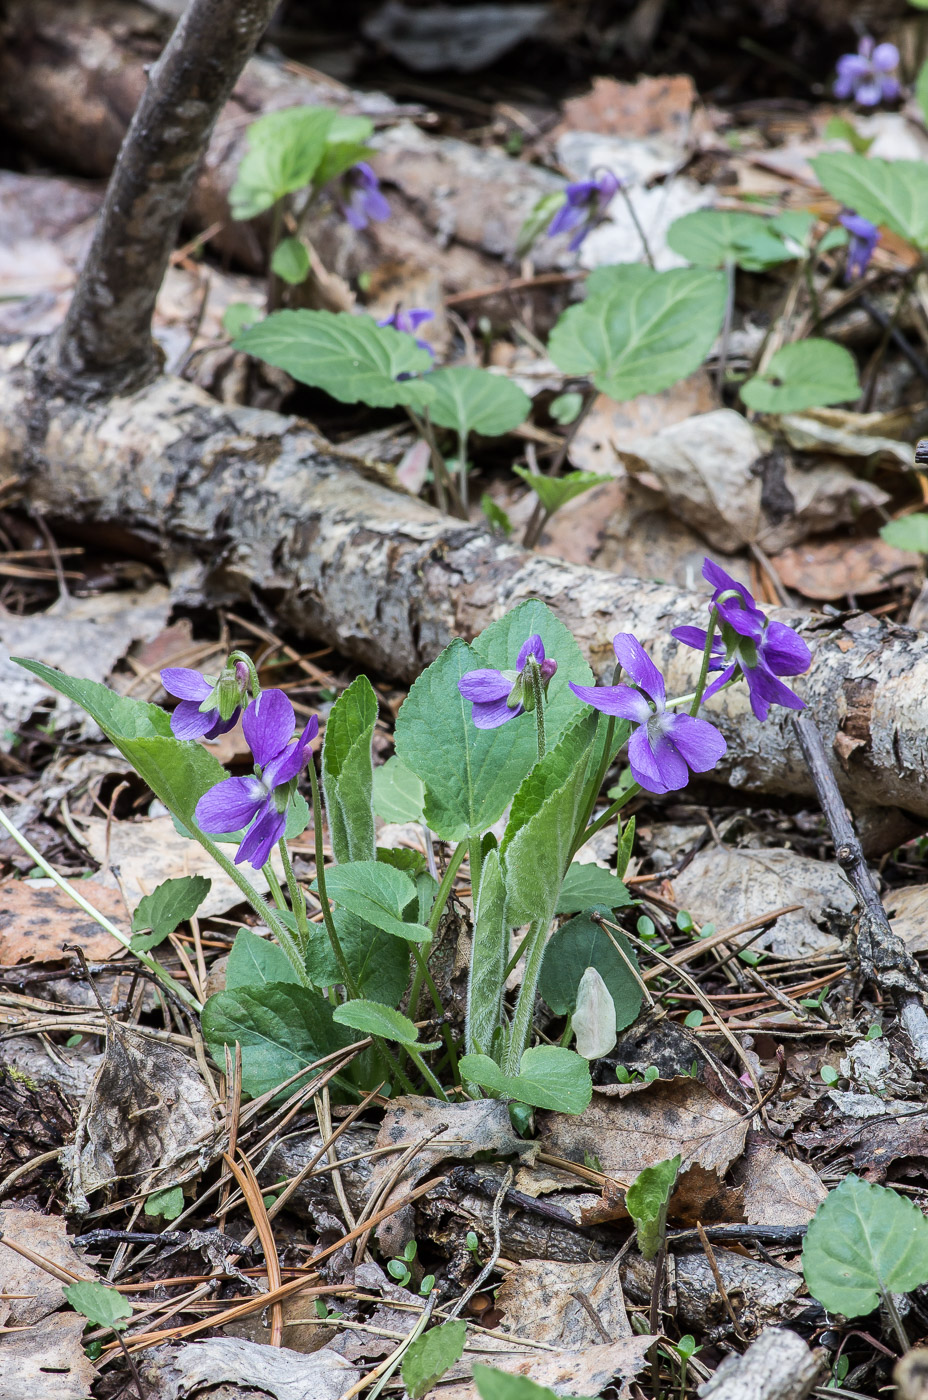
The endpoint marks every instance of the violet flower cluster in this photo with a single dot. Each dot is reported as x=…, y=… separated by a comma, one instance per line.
x=499, y=696
x=360, y=197
x=666, y=744
x=260, y=802
x=869, y=75
x=585, y=205
x=864, y=237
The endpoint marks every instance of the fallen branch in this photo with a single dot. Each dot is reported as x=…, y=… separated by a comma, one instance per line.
x=243, y=504
x=778, y=1366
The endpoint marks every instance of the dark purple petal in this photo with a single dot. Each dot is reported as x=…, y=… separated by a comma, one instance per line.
x=484, y=686
x=222, y=726
x=697, y=740
x=262, y=838
x=190, y=722
x=185, y=684
x=724, y=583
x=765, y=690
x=633, y=658
x=292, y=759
x=230, y=805
x=268, y=725
x=619, y=700
x=719, y=681
x=783, y=651
x=692, y=637
x=494, y=713
x=533, y=646
x=579, y=236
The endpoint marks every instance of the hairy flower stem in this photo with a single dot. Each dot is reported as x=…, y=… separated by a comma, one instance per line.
x=534, y=673
x=426, y=1073
x=151, y=963
x=347, y=975
x=297, y=902
x=525, y=1005
x=606, y=817
x=438, y=908
x=706, y=658
x=295, y=954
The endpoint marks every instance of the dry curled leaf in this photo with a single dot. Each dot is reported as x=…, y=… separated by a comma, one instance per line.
x=538, y=1301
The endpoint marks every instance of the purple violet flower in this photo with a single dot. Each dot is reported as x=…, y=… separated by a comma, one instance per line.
x=763, y=649
x=209, y=705
x=869, y=74
x=409, y=322
x=864, y=238
x=585, y=205
x=666, y=744
x=260, y=802
x=499, y=696
x=360, y=197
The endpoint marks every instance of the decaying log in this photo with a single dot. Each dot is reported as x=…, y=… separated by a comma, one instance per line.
x=778, y=1366
x=241, y=502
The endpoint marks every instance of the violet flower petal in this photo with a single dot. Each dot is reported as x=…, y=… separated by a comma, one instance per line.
x=885, y=58
x=190, y=722
x=185, y=684
x=222, y=726
x=869, y=94
x=648, y=770
x=230, y=805
x=262, y=838
x=566, y=218
x=715, y=686
x=533, y=646
x=784, y=651
x=484, y=686
x=494, y=713
x=697, y=740
x=765, y=690
x=285, y=766
x=268, y=725
x=633, y=658
x=619, y=700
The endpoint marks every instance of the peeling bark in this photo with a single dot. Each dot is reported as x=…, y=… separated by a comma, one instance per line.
x=240, y=501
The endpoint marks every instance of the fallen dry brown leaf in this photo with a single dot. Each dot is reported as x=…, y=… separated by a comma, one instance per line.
x=28, y=1293
x=37, y=921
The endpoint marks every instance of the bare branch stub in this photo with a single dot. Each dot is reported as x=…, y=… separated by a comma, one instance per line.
x=105, y=345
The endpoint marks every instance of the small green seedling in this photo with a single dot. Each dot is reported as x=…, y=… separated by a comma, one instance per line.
x=829, y=1075
x=647, y=1200
x=398, y=1268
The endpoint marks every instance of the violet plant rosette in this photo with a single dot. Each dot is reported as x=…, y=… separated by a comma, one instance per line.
x=764, y=650
x=585, y=205
x=499, y=696
x=665, y=745
x=209, y=705
x=260, y=802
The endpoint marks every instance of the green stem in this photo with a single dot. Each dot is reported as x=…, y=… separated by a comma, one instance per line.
x=706, y=658
x=534, y=671
x=297, y=902
x=462, y=469
x=607, y=816
x=525, y=1004
x=277, y=213
x=347, y=976
x=273, y=884
x=438, y=908
x=475, y=851
x=568, y=1031
x=426, y=1073
x=592, y=791
x=151, y=963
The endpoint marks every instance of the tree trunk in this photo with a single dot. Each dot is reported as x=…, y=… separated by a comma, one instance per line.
x=105, y=345
x=241, y=501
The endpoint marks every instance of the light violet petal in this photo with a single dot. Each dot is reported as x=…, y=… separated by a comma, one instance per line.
x=184, y=683
x=869, y=94
x=698, y=741
x=633, y=658
x=484, y=686
x=784, y=651
x=671, y=765
x=262, y=838
x=885, y=58
x=890, y=89
x=853, y=67
x=619, y=700
x=230, y=805
x=643, y=763
x=533, y=646
x=566, y=218
x=268, y=725
x=843, y=86
x=494, y=713
x=190, y=722
x=692, y=637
